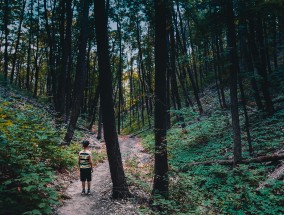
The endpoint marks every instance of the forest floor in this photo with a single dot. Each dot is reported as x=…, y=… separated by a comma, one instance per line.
x=100, y=201
x=28, y=126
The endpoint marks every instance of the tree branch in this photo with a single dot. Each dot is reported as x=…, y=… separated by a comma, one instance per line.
x=267, y=158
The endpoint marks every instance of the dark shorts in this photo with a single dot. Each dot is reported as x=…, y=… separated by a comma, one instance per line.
x=85, y=174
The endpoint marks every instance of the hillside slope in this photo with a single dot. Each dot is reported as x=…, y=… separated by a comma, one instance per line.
x=255, y=188
x=30, y=156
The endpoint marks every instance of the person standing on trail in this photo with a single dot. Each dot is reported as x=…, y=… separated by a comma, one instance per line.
x=86, y=166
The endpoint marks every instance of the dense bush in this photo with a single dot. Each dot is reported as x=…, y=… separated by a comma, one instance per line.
x=29, y=154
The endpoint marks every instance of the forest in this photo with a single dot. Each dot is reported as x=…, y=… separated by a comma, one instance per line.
x=181, y=100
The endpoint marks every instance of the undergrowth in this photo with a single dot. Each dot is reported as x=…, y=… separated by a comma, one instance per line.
x=29, y=157
x=219, y=189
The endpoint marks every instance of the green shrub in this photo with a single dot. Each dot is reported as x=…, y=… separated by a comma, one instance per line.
x=29, y=154
x=219, y=189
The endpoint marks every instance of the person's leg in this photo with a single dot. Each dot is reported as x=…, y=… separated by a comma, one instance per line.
x=83, y=185
x=89, y=185
x=89, y=188
x=83, y=179
x=89, y=178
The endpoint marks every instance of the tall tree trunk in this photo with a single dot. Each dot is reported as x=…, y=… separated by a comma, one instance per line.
x=100, y=125
x=36, y=58
x=215, y=68
x=66, y=49
x=69, y=86
x=53, y=50
x=37, y=66
x=95, y=104
x=168, y=88
x=181, y=78
x=142, y=77
x=274, y=41
x=263, y=66
x=120, y=188
x=260, y=61
x=266, y=47
x=161, y=178
x=6, y=31
x=219, y=46
x=193, y=55
x=182, y=42
x=244, y=66
x=173, y=69
x=246, y=47
x=247, y=127
x=81, y=73
x=29, y=46
x=50, y=57
x=234, y=69
x=119, y=76
x=131, y=106
x=17, y=41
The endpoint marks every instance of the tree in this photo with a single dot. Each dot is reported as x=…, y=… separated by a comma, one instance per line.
x=65, y=56
x=18, y=40
x=234, y=69
x=120, y=188
x=31, y=13
x=161, y=181
x=81, y=73
x=6, y=32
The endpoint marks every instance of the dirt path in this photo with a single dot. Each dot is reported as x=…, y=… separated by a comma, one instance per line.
x=99, y=202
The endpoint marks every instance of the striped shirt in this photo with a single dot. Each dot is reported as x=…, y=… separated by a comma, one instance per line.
x=84, y=157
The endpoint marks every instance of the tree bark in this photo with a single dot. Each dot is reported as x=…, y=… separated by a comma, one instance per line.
x=81, y=73
x=120, y=188
x=142, y=77
x=95, y=104
x=247, y=55
x=219, y=46
x=173, y=69
x=259, y=62
x=17, y=41
x=99, y=134
x=66, y=49
x=215, y=68
x=50, y=53
x=36, y=59
x=234, y=69
x=186, y=68
x=6, y=32
x=29, y=47
x=119, y=76
x=263, y=66
x=161, y=178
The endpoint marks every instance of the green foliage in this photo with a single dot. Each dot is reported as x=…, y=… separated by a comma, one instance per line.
x=98, y=157
x=29, y=154
x=136, y=177
x=219, y=189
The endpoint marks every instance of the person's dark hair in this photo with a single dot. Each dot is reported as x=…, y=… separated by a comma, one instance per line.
x=85, y=143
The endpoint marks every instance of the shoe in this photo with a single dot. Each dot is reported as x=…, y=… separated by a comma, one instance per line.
x=89, y=192
x=83, y=192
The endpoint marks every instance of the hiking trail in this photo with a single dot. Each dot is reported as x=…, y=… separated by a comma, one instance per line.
x=100, y=201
